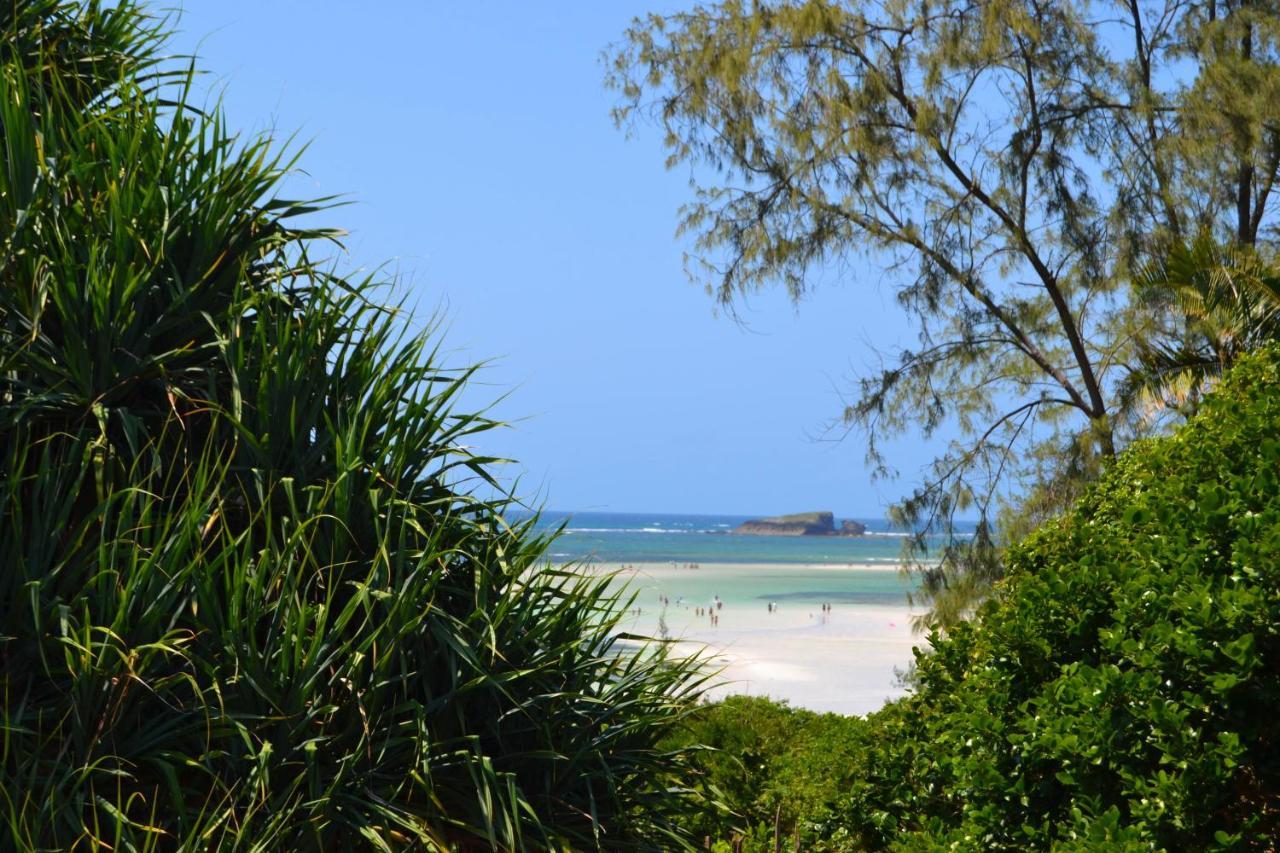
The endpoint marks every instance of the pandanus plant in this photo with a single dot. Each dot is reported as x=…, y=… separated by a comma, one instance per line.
x=256, y=591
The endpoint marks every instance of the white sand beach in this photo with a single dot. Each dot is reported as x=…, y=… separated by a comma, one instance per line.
x=842, y=661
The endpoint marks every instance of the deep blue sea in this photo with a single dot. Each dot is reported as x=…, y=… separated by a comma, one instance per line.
x=613, y=537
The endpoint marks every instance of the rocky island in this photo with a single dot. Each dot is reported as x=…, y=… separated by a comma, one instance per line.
x=801, y=524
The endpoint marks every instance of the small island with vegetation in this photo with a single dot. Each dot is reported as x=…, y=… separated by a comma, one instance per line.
x=800, y=524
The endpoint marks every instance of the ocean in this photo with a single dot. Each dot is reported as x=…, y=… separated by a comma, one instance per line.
x=615, y=537
x=744, y=570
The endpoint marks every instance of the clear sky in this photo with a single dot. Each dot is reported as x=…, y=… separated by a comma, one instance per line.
x=475, y=143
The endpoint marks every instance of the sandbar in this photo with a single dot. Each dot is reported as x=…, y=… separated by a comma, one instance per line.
x=846, y=660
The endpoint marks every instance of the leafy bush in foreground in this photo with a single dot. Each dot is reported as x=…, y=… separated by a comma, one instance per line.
x=1121, y=689
x=781, y=774
x=247, y=600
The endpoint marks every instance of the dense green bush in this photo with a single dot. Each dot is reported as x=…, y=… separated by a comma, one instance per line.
x=1118, y=692
x=772, y=774
x=1120, y=689
x=250, y=598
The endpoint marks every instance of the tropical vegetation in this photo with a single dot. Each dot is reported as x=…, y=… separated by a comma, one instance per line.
x=774, y=776
x=1116, y=691
x=257, y=593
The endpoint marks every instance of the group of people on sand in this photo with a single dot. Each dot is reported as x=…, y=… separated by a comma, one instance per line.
x=772, y=607
x=712, y=612
x=631, y=567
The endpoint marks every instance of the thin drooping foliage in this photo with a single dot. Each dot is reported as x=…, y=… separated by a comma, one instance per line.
x=1012, y=167
x=252, y=596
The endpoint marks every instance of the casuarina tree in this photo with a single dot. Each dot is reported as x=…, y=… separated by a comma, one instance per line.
x=1012, y=166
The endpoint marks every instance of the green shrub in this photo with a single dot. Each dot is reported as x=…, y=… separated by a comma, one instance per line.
x=250, y=597
x=772, y=774
x=1119, y=689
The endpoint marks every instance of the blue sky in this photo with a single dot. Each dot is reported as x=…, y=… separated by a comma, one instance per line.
x=475, y=144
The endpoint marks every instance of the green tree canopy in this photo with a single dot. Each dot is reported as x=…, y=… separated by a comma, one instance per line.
x=1012, y=165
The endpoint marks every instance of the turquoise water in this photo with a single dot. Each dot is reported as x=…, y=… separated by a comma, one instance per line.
x=800, y=572
x=754, y=586
x=610, y=537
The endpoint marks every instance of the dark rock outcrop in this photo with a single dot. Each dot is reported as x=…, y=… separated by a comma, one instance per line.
x=800, y=524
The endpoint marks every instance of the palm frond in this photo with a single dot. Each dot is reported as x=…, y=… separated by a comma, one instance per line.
x=1211, y=304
